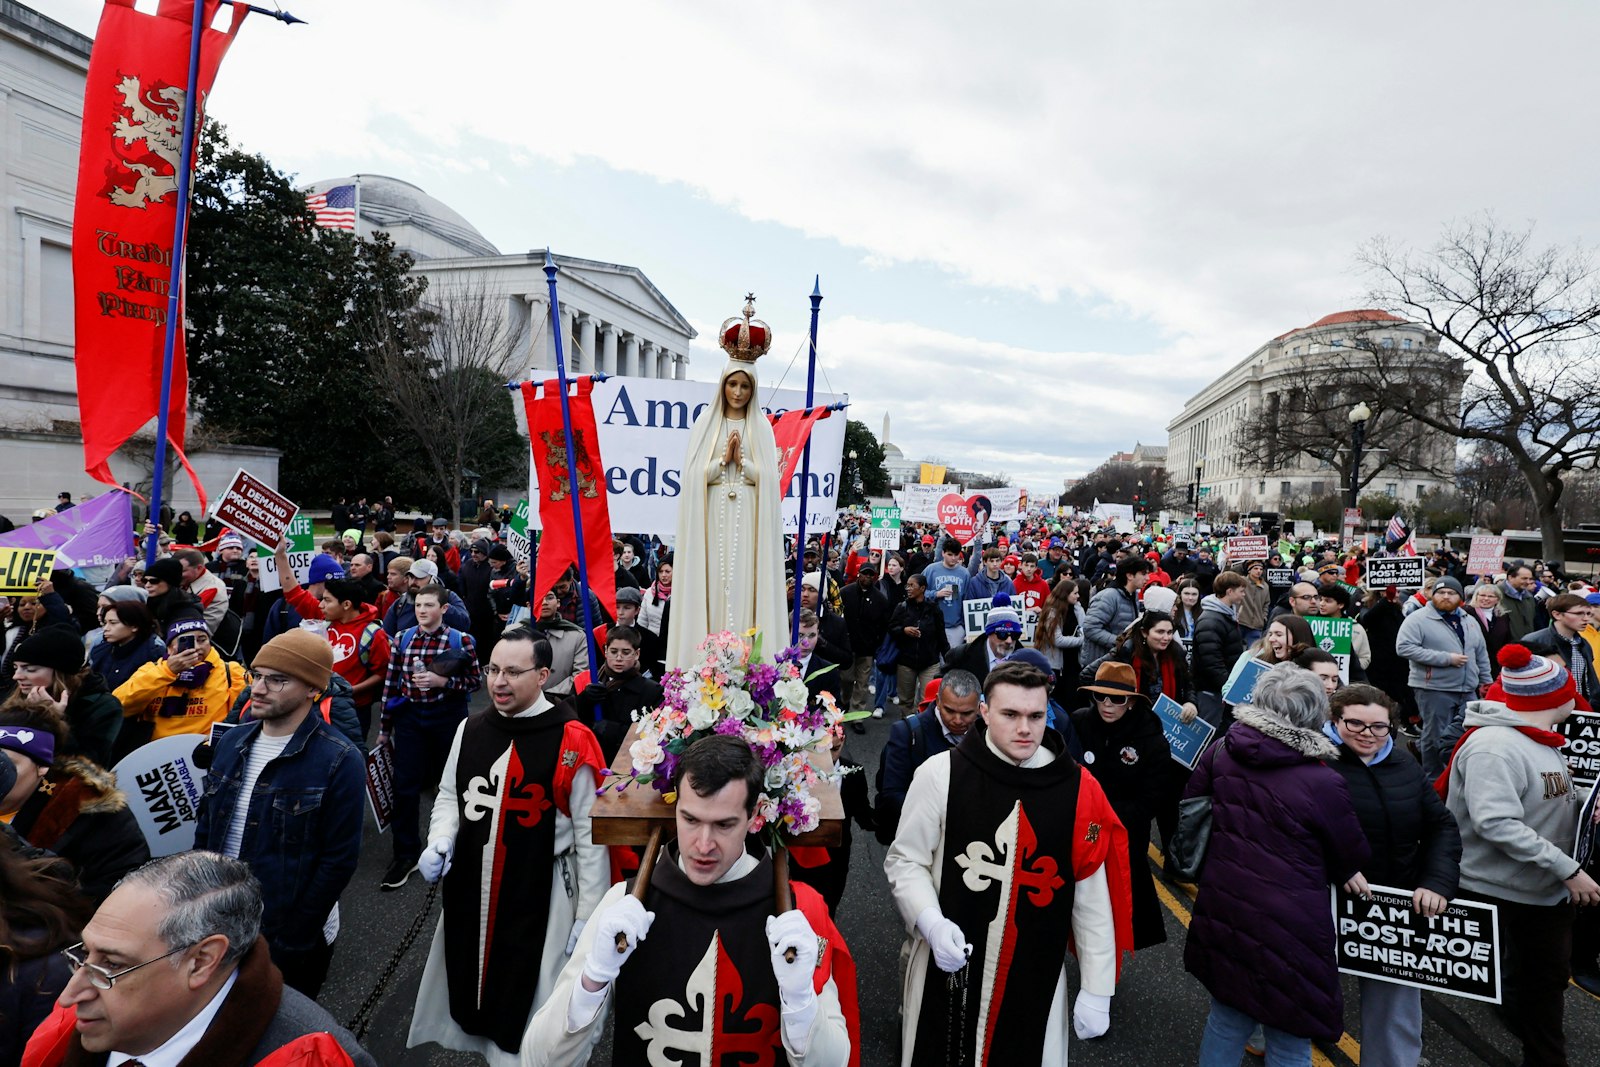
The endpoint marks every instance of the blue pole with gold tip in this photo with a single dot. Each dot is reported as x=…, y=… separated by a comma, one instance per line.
x=805, y=470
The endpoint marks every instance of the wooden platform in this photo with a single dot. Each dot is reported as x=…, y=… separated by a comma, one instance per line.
x=626, y=818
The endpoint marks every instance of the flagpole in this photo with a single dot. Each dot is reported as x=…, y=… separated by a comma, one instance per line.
x=805, y=475
x=180, y=230
x=572, y=469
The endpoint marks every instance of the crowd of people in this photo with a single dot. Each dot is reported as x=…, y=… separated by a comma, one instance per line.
x=1024, y=742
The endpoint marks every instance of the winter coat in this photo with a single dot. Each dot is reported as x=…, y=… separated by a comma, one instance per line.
x=192, y=709
x=1413, y=836
x=1218, y=643
x=1524, y=613
x=1283, y=828
x=1110, y=613
x=569, y=656
x=1387, y=670
x=85, y=820
x=27, y=994
x=1496, y=634
x=116, y=663
x=1257, y=601
x=1427, y=641
x=866, y=617
x=94, y=718
x=918, y=653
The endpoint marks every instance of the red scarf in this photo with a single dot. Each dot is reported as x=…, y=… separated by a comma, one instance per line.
x=1169, y=674
x=1441, y=785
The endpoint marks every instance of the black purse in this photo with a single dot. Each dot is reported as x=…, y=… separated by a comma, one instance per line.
x=1186, y=853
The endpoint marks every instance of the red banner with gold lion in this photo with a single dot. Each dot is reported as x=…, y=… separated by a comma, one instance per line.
x=124, y=217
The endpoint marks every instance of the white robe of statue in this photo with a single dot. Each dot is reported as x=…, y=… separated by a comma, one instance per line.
x=728, y=554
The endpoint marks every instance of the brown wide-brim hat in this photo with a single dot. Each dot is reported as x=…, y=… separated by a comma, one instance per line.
x=1114, y=679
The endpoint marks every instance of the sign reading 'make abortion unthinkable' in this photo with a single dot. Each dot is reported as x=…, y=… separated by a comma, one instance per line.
x=163, y=784
x=1457, y=953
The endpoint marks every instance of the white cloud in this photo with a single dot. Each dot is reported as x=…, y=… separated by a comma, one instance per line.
x=1208, y=168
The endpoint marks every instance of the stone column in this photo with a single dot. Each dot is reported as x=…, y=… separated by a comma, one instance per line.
x=608, y=349
x=663, y=363
x=585, y=344
x=680, y=367
x=648, y=366
x=567, y=316
x=539, y=358
x=630, y=357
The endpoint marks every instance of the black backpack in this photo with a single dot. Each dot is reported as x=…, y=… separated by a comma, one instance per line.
x=888, y=815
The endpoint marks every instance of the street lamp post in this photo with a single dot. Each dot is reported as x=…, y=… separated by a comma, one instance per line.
x=1358, y=432
x=855, y=491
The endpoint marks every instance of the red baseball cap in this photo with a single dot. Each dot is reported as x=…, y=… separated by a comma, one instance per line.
x=930, y=693
x=927, y=539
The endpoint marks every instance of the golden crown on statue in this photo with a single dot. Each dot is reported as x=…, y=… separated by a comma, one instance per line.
x=745, y=339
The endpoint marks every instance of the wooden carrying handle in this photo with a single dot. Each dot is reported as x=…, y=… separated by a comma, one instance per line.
x=782, y=898
x=641, y=882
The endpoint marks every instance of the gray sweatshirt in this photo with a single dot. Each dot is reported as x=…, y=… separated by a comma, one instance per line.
x=1518, y=813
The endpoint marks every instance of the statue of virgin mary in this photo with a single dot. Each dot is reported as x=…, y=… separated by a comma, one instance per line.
x=728, y=554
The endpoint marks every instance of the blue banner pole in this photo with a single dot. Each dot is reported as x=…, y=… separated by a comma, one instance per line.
x=805, y=472
x=572, y=476
x=180, y=232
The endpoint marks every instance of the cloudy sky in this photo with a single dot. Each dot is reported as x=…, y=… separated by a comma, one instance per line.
x=1039, y=227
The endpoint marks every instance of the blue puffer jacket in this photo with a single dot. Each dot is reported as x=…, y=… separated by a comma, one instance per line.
x=1283, y=828
x=302, y=833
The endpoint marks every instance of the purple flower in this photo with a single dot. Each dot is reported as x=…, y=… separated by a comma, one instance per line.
x=771, y=755
x=730, y=726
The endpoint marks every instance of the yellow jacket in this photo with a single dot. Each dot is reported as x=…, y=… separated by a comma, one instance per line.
x=144, y=694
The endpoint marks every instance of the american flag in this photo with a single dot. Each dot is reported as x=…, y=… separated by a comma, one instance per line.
x=334, y=208
x=1398, y=537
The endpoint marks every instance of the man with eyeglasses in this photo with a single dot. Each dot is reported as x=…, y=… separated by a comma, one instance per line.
x=1301, y=601
x=1569, y=617
x=513, y=806
x=1002, y=630
x=173, y=970
x=285, y=794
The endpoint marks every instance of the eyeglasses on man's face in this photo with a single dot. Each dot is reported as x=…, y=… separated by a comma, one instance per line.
x=273, y=683
x=510, y=674
x=101, y=978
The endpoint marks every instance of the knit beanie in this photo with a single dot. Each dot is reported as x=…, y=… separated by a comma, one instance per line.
x=183, y=622
x=166, y=569
x=1003, y=618
x=322, y=568
x=299, y=654
x=1531, y=683
x=126, y=594
x=37, y=745
x=57, y=647
x=1159, y=598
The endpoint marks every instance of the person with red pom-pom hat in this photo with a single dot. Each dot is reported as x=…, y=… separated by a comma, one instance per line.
x=1511, y=793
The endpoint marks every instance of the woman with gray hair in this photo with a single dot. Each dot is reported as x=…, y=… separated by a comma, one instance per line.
x=1283, y=828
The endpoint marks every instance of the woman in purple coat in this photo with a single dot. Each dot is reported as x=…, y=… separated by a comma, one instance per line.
x=1283, y=828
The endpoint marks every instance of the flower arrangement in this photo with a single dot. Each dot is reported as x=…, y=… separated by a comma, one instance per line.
x=732, y=690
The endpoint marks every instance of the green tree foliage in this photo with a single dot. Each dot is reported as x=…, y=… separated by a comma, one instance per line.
x=866, y=472
x=275, y=311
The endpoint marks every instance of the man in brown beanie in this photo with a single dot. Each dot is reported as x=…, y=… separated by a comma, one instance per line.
x=285, y=794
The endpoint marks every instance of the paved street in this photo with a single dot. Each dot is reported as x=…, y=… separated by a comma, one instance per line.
x=1157, y=1015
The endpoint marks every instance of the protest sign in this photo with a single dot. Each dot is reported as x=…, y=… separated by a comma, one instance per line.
x=1243, y=683
x=1583, y=843
x=1352, y=517
x=885, y=529
x=380, y=783
x=976, y=612
x=1280, y=577
x=1403, y=572
x=302, y=546
x=920, y=503
x=1486, y=555
x=518, y=542
x=957, y=519
x=163, y=784
x=1457, y=953
x=217, y=730
x=1186, y=739
x=643, y=426
x=1582, y=731
x=1243, y=548
x=255, y=509
x=95, y=533
x=22, y=569
x=1335, y=637
x=1111, y=512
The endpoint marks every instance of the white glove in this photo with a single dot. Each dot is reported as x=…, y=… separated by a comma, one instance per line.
x=1091, y=1014
x=791, y=931
x=626, y=917
x=434, y=863
x=945, y=939
x=572, y=938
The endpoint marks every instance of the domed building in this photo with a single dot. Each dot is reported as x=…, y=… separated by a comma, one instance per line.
x=1246, y=441
x=614, y=319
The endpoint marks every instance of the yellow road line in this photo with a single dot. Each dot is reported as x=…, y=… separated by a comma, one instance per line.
x=1347, y=1044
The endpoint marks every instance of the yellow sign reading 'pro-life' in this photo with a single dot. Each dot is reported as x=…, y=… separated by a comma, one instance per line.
x=22, y=569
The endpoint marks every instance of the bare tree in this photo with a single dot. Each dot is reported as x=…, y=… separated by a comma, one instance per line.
x=1310, y=420
x=443, y=373
x=1526, y=321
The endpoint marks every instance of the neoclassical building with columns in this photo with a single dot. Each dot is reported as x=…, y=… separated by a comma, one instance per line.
x=613, y=319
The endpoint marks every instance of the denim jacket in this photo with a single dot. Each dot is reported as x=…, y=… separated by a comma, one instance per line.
x=302, y=836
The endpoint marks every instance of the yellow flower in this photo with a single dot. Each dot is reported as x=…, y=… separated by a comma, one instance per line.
x=670, y=796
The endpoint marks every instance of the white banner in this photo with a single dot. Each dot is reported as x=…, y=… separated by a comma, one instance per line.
x=920, y=503
x=644, y=433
